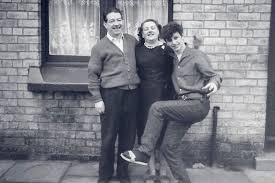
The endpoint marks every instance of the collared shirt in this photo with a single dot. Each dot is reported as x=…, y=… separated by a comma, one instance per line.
x=117, y=41
x=192, y=71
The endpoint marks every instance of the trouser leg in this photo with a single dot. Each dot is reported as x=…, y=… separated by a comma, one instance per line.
x=186, y=112
x=127, y=130
x=149, y=92
x=109, y=129
x=171, y=150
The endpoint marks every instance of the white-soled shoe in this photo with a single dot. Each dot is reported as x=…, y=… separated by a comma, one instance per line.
x=135, y=156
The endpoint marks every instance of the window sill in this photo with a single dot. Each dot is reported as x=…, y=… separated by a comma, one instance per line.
x=58, y=78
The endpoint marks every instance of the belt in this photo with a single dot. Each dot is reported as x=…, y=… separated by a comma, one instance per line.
x=191, y=96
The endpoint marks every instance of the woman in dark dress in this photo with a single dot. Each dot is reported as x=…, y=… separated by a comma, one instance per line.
x=154, y=68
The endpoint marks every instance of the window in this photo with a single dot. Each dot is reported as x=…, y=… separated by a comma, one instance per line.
x=73, y=26
x=69, y=29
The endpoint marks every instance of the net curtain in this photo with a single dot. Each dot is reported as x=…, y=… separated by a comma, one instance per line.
x=73, y=26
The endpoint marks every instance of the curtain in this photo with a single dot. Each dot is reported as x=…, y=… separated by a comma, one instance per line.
x=73, y=26
x=136, y=11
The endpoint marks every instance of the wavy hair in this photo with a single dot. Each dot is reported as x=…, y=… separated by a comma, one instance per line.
x=169, y=29
x=140, y=29
x=111, y=10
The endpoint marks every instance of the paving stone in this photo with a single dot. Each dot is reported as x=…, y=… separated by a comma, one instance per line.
x=76, y=179
x=91, y=170
x=215, y=175
x=260, y=176
x=5, y=166
x=84, y=169
x=266, y=162
x=53, y=171
x=36, y=171
x=133, y=180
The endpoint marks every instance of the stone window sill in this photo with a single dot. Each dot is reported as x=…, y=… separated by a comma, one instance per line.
x=58, y=78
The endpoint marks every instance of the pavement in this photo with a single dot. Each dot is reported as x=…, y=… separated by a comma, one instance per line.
x=26, y=171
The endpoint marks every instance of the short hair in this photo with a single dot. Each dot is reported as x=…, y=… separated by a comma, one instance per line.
x=140, y=29
x=111, y=10
x=170, y=29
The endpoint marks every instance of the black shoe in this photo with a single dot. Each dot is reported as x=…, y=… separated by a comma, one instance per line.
x=125, y=180
x=100, y=180
x=103, y=181
x=136, y=157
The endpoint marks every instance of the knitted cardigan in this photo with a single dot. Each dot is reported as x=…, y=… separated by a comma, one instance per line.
x=109, y=67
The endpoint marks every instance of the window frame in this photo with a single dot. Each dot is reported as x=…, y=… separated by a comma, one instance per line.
x=63, y=59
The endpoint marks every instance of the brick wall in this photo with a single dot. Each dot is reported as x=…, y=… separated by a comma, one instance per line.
x=49, y=123
x=235, y=35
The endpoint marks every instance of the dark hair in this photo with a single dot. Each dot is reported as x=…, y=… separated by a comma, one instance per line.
x=140, y=29
x=169, y=29
x=111, y=10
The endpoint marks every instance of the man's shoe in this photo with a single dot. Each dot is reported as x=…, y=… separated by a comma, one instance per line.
x=136, y=157
x=102, y=181
x=125, y=180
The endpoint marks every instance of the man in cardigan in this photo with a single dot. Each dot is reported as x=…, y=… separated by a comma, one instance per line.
x=113, y=83
x=194, y=81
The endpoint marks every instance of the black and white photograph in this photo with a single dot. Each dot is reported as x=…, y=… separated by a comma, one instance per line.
x=137, y=91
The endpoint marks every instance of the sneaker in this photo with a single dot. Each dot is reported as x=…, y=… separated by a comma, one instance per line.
x=136, y=157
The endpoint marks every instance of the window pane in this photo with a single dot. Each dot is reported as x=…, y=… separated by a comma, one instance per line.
x=74, y=26
x=136, y=11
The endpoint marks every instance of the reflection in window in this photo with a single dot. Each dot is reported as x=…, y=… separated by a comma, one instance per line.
x=136, y=11
x=73, y=26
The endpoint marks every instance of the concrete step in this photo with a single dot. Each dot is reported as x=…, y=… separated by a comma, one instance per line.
x=266, y=162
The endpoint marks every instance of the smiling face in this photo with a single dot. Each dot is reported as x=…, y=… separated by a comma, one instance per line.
x=176, y=42
x=114, y=24
x=150, y=31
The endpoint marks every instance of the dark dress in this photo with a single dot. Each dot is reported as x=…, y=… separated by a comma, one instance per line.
x=154, y=69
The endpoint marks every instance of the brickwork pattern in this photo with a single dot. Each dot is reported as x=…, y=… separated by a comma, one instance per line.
x=235, y=35
x=58, y=123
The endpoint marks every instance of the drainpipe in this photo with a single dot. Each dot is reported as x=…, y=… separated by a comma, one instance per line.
x=213, y=150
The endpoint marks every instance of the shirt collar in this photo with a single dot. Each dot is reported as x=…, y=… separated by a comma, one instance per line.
x=114, y=39
x=185, y=52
